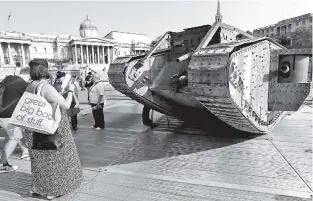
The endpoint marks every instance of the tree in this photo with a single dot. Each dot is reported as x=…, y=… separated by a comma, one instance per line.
x=302, y=37
x=284, y=40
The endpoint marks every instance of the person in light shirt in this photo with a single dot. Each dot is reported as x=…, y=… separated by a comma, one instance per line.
x=96, y=99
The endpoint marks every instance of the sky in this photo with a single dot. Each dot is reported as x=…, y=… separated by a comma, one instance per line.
x=153, y=18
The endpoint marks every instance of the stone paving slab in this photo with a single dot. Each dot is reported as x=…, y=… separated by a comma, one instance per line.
x=175, y=162
x=131, y=187
x=20, y=181
x=245, y=161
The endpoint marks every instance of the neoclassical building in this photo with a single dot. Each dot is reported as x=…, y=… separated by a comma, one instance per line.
x=284, y=27
x=87, y=50
x=127, y=43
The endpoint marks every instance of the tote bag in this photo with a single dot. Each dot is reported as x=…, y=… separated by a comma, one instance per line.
x=33, y=112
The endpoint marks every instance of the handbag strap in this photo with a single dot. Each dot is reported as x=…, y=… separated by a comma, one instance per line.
x=38, y=88
x=40, y=85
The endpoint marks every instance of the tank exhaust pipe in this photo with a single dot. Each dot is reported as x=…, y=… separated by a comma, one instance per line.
x=184, y=57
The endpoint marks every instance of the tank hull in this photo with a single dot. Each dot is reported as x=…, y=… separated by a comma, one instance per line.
x=221, y=79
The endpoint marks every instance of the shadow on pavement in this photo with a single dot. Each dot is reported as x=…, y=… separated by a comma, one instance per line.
x=181, y=138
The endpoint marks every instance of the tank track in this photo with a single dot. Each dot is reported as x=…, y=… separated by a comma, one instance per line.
x=117, y=79
x=212, y=89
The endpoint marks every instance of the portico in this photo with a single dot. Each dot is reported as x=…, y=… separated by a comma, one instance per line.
x=14, y=52
x=91, y=51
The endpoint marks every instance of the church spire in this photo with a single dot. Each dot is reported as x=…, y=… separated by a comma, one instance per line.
x=218, y=16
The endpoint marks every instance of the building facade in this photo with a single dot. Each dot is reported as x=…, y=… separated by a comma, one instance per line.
x=284, y=27
x=87, y=50
x=129, y=43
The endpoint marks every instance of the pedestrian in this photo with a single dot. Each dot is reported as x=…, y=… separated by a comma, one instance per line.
x=96, y=100
x=82, y=81
x=55, y=172
x=145, y=117
x=74, y=105
x=89, y=81
x=75, y=102
x=13, y=87
x=59, y=78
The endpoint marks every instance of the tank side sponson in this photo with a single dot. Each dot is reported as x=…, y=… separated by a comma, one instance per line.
x=290, y=78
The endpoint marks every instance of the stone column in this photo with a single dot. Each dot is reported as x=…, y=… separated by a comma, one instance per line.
x=76, y=61
x=1, y=55
x=81, y=54
x=30, y=50
x=73, y=53
x=98, y=54
x=87, y=54
x=23, y=55
x=93, y=54
x=10, y=53
x=108, y=53
x=59, y=52
x=103, y=60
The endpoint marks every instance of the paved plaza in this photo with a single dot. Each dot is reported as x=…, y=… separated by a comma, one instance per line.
x=129, y=161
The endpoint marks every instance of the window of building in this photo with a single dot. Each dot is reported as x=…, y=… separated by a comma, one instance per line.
x=35, y=49
x=289, y=27
x=310, y=20
x=45, y=49
x=272, y=29
x=297, y=23
x=303, y=22
x=262, y=31
x=267, y=31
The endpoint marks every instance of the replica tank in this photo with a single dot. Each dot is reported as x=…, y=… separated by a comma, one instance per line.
x=247, y=82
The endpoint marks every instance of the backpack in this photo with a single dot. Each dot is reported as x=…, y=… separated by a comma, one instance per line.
x=2, y=89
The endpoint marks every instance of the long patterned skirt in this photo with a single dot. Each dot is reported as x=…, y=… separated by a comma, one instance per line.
x=55, y=172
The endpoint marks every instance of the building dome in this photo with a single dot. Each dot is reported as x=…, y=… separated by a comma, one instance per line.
x=88, y=28
x=88, y=24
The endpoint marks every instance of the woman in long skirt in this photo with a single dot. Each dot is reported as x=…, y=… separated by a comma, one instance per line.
x=55, y=172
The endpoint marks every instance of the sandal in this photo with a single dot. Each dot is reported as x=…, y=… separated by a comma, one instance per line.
x=38, y=195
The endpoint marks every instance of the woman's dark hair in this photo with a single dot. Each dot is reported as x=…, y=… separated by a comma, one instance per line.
x=60, y=74
x=39, y=69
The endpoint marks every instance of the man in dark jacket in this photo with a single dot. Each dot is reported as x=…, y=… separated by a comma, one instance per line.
x=13, y=88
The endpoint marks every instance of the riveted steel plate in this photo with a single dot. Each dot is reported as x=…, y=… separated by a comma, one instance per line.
x=209, y=91
x=216, y=76
x=287, y=96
